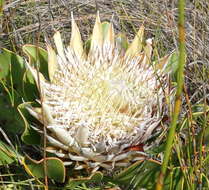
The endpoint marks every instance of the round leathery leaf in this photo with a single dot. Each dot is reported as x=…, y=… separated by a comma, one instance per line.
x=38, y=57
x=55, y=168
x=95, y=177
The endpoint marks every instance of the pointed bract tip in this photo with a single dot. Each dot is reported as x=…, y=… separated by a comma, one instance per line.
x=58, y=43
x=72, y=17
x=149, y=41
x=110, y=37
x=136, y=45
x=76, y=42
x=52, y=62
x=97, y=18
x=97, y=38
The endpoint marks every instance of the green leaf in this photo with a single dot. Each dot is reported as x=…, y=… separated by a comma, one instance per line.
x=38, y=58
x=9, y=117
x=7, y=154
x=11, y=69
x=87, y=45
x=30, y=91
x=140, y=174
x=55, y=168
x=15, y=80
x=105, y=27
x=122, y=42
x=95, y=177
x=205, y=180
x=29, y=136
x=143, y=174
x=5, y=58
x=128, y=173
x=13, y=90
x=173, y=179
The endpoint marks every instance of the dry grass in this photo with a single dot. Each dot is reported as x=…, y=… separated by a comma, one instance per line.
x=33, y=20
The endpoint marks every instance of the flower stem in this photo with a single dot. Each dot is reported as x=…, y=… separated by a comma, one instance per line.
x=177, y=105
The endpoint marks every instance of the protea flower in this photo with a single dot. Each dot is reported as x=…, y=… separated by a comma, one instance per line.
x=100, y=104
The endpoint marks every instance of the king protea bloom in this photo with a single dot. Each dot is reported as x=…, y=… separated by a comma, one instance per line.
x=101, y=103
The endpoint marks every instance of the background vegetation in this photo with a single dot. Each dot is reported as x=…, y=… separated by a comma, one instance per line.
x=30, y=22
